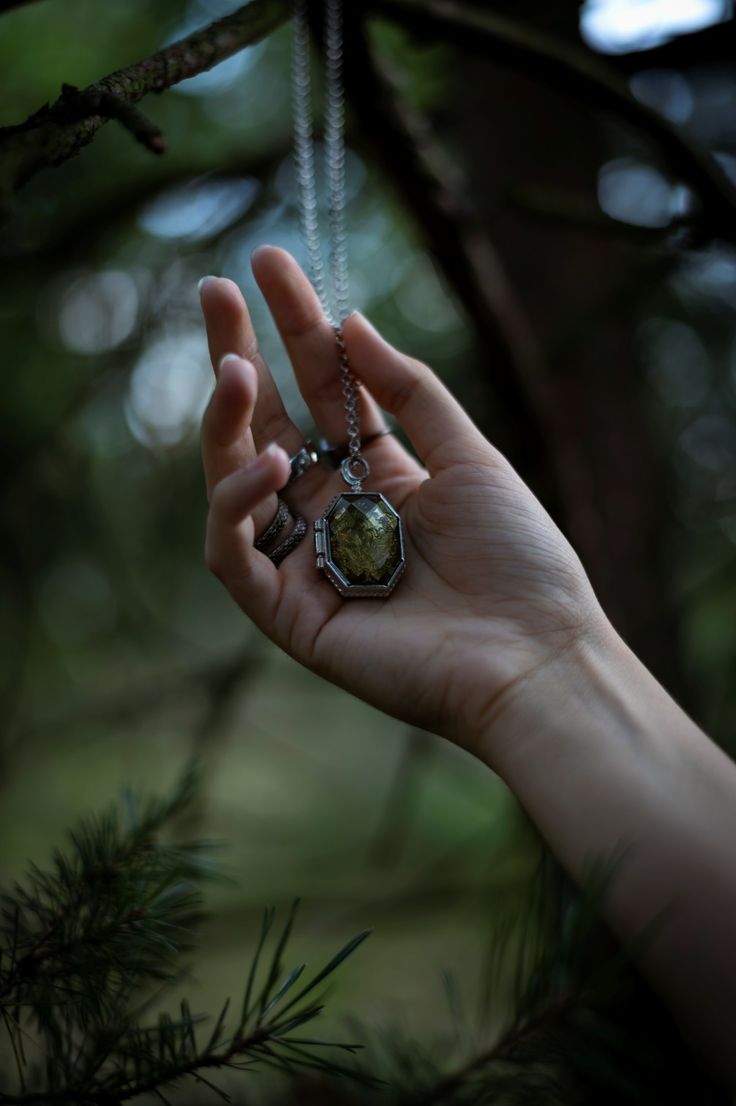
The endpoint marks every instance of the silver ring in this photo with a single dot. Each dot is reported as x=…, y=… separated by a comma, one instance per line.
x=289, y=544
x=334, y=454
x=274, y=528
x=301, y=461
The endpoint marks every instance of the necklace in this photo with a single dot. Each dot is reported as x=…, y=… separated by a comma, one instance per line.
x=358, y=539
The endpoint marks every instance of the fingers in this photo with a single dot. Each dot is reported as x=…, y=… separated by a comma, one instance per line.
x=310, y=343
x=249, y=576
x=230, y=330
x=440, y=430
x=227, y=444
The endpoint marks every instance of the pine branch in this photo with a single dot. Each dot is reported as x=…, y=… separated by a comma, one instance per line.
x=582, y=74
x=90, y=905
x=58, y=131
x=583, y=1027
x=78, y=942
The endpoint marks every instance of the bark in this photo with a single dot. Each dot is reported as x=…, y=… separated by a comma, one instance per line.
x=59, y=131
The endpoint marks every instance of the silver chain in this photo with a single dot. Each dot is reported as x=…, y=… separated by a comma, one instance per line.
x=337, y=304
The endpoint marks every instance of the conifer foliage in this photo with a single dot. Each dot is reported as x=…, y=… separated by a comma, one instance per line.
x=83, y=943
x=87, y=946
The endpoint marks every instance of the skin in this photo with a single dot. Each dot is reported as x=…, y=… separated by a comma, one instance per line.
x=511, y=655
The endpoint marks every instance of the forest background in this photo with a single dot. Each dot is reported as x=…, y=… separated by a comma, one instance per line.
x=542, y=207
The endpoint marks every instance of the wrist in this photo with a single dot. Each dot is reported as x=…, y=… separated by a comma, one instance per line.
x=593, y=694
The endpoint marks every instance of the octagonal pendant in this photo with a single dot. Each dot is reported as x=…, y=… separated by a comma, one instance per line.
x=359, y=542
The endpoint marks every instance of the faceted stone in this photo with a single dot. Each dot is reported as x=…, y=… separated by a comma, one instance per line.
x=364, y=539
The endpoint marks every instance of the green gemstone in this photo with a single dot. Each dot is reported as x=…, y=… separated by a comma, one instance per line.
x=364, y=539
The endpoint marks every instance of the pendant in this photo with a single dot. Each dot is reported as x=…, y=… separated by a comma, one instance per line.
x=359, y=539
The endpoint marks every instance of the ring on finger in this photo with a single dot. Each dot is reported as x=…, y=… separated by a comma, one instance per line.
x=335, y=454
x=274, y=532
x=274, y=528
x=302, y=460
x=290, y=543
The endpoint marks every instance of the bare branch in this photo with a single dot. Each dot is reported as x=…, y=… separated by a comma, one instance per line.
x=59, y=131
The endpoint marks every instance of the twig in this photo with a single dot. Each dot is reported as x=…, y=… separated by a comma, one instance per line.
x=74, y=106
x=503, y=1050
x=53, y=135
x=208, y=1061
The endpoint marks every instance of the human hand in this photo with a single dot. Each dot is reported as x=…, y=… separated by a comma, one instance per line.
x=492, y=590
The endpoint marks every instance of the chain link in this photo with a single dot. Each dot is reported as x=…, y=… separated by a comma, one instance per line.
x=337, y=304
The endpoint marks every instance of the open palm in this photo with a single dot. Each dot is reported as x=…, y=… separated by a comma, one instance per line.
x=491, y=589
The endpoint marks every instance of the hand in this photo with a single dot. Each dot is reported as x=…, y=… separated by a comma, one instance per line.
x=492, y=591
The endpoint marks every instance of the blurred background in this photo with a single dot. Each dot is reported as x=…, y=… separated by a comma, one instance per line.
x=542, y=207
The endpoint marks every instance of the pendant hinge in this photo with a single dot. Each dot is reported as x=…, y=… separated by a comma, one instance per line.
x=319, y=541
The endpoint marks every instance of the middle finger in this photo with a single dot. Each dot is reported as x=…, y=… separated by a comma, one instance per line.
x=310, y=342
x=230, y=330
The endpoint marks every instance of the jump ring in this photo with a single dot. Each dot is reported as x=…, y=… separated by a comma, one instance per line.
x=355, y=469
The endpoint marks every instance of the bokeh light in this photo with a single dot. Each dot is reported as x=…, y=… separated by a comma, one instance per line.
x=97, y=310
x=169, y=387
x=635, y=193
x=617, y=26
x=199, y=208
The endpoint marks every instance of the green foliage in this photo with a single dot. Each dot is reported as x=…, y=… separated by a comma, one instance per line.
x=82, y=944
x=87, y=945
x=582, y=1029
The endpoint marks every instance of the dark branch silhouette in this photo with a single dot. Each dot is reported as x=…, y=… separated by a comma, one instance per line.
x=59, y=131
x=578, y=71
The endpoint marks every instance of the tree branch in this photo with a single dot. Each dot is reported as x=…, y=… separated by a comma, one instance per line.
x=57, y=132
x=581, y=73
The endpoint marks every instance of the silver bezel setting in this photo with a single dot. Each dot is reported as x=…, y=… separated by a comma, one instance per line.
x=330, y=569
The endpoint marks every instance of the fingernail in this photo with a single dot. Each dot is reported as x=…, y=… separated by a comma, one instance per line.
x=273, y=450
x=265, y=458
x=203, y=281
x=263, y=246
x=229, y=357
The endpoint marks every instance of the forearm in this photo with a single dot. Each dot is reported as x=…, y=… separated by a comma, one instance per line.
x=602, y=758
